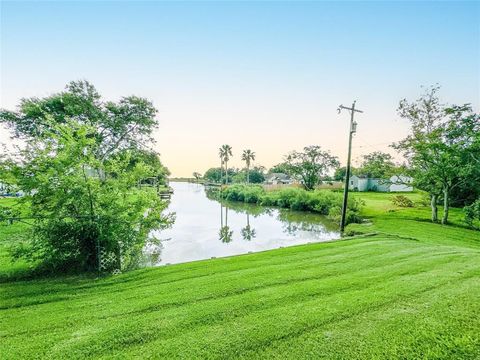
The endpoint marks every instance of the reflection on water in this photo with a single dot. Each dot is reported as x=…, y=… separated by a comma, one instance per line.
x=248, y=233
x=198, y=233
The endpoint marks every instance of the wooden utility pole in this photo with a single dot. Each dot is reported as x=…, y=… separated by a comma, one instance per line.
x=353, y=129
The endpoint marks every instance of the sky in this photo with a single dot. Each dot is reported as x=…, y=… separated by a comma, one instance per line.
x=266, y=76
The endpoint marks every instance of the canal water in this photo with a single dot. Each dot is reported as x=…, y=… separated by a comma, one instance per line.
x=206, y=228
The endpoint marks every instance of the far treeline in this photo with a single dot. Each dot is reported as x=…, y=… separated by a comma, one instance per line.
x=442, y=156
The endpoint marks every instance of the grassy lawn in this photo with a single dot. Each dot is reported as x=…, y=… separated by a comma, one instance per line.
x=9, y=235
x=408, y=290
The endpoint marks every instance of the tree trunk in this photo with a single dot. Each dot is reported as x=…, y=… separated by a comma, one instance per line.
x=446, y=205
x=248, y=174
x=433, y=204
x=226, y=173
x=221, y=215
x=221, y=173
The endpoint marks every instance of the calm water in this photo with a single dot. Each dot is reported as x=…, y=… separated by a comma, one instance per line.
x=206, y=228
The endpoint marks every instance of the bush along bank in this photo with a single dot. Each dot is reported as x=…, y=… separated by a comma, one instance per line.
x=324, y=202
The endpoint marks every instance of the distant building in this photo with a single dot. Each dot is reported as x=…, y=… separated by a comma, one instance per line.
x=277, y=178
x=394, y=184
x=8, y=190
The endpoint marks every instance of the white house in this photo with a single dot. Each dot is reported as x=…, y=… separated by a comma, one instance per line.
x=8, y=190
x=277, y=178
x=401, y=183
x=394, y=184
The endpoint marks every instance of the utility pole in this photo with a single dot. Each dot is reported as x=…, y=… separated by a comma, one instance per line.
x=353, y=129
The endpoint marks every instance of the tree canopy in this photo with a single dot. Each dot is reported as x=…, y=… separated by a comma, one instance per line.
x=377, y=165
x=81, y=170
x=310, y=165
x=279, y=168
x=255, y=175
x=442, y=148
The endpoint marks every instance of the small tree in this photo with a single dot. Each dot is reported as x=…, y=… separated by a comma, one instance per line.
x=197, y=176
x=310, y=165
x=213, y=175
x=472, y=214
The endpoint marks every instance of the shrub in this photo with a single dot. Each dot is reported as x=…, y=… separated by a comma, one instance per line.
x=245, y=193
x=268, y=199
x=83, y=171
x=80, y=220
x=472, y=214
x=325, y=202
x=253, y=194
x=402, y=201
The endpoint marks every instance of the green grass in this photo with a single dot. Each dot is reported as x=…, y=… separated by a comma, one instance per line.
x=9, y=235
x=410, y=290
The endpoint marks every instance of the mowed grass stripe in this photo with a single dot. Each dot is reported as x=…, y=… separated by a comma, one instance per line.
x=14, y=292
x=282, y=275
x=258, y=329
x=155, y=319
x=203, y=268
x=415, y=328
x=311, y=276
x=16, y=297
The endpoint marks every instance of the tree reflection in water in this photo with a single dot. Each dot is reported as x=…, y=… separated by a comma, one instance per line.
x=151, y=253
x=225, y=234
x=293, y=223
x=248, y=233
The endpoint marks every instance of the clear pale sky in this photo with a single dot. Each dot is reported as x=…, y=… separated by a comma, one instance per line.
x=267, y=76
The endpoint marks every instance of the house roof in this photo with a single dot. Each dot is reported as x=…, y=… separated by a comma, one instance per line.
x=278, y=176
x=366, y=177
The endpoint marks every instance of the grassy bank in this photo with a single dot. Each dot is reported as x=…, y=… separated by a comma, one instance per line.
x=409, y=290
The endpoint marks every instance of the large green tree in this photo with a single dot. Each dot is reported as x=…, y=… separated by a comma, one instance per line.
x=128, y=123
x=279, y=168
x=377, y=165
x=80, y=169
x=310, y=165
x=442, y=149
x=215, y=174
x=340, y=172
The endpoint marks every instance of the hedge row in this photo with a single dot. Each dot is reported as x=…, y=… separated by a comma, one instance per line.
x=324, y=202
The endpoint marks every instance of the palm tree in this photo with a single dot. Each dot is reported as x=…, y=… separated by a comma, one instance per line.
x=220, y=154
x=196, y=175
x=225, y=152
x=247, y=156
